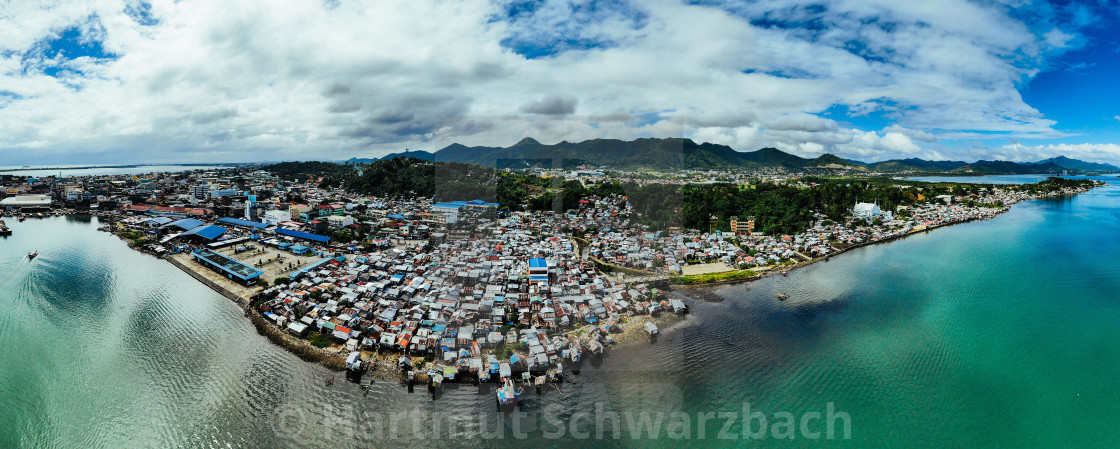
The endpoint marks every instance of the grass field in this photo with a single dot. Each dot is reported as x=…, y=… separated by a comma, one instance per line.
x=714, y=277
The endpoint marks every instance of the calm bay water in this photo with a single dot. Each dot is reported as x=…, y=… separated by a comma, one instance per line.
x=1003, y=179
x=997, y=333
x=989, y=179
x=84, y=170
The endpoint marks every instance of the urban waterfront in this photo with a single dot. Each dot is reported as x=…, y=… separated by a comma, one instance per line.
x=992, y=333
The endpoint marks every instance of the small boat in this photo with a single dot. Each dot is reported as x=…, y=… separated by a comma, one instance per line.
x=4, y=229
x=32, y=255
x=782, y=296
x=21, y=218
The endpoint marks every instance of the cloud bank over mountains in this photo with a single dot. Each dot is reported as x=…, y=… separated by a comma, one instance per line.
x=208, y=80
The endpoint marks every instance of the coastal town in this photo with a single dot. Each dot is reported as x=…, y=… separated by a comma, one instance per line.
x=559, y=224
x=430, y=291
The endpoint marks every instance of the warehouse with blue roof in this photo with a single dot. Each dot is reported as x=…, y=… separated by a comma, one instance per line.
x=230, y=268
x=209, y=232
x=470, y=205
x=305, y=270
x=185, y=224
x=159, y=221
x=242, y=223
x=304, y=235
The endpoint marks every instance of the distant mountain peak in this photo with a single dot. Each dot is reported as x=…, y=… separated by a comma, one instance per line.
x=1068, y=163
x=407, y=153
x=679, y=152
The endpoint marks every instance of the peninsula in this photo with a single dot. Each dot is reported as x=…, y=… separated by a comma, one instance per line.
x=433, y=272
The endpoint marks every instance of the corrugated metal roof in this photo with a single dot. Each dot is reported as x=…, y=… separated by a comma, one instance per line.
x=161, y=220
x=186, y=224
x=304, y=235
x=210, y=232
x=240, y=222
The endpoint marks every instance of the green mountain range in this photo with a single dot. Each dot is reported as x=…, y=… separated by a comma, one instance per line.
x=678, y=153
x=1074, y=164
x=640, y=154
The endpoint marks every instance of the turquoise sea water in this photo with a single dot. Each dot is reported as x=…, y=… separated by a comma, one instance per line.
x=1000, y=333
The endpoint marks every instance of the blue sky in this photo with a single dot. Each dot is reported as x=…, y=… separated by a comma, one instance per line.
x=105, y=81
x=1081, y=92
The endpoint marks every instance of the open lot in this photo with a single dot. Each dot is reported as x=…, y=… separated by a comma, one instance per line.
x=262, y=257
x=274, y=262
x=705, y=268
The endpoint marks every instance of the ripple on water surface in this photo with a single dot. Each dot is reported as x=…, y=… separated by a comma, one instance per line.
x=967, y=336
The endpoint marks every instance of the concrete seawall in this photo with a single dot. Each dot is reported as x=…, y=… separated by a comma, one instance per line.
x=272, y=332
x=242, y=302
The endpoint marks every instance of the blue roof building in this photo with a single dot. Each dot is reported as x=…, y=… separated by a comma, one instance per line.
x=209, y=232
x=304, y=235
x=185, y=224
x=479, y=204
x=242, y=223
x=298, y=273
x=538, y=270
x=231, y=268
x=159, y=221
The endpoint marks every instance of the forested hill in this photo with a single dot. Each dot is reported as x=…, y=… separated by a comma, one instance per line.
x=778, y=209
x=640, y=154
x=445, y=181
x=652, y=154
x=1074, y=164
x=788, y=209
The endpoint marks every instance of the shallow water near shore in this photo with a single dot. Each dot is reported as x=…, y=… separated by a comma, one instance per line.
x=993, y=333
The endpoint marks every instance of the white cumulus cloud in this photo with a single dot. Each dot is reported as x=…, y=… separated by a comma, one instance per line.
x=212, y=80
